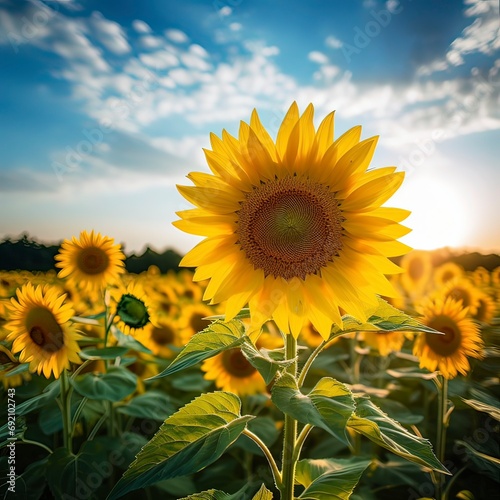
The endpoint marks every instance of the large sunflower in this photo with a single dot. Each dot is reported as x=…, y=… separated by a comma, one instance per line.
x=93, y=260
x=294, y=228
x=41, y=330
x=447, y=353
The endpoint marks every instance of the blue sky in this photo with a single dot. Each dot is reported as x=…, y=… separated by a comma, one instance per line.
x=106, y=106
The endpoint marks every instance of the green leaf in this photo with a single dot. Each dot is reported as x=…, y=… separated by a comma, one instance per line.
x=128, y=342
x=192, y=438
x=386, y=318
x=78, y=475
x=114, y=385
x=104, y=353
x=265, y=428
x=328, y=479
x=23, y=367
x=329, y=405
x=152, y=404
x=267, y=362
x=485, y=464
x=465, y=495
x=484, y=402
x=216, y=338
x=398, y=411
x=373, y=423
x=30, y=485
x=263, y=494
x=49, y=394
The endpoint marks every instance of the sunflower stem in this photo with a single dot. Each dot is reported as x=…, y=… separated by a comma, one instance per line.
x=442, y=424
x=66, y=412
x=290, y=430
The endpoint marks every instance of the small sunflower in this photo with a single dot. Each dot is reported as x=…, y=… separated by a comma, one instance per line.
x=495, y=276
x=41, y=330
x=384, y=342
x=93, y=260
x=481, y=277
x=232, y=372
x=461, y=289
x=134, y=311
x=160, y=338
x=294, y=228
x=447, y=353
x=447, y=272
x=192, y=320
x=486, y=308
x=418, y=270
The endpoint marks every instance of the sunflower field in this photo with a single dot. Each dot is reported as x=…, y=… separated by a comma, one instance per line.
x=301, y=351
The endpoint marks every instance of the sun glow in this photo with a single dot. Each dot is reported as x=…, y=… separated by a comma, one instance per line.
x=440, y=215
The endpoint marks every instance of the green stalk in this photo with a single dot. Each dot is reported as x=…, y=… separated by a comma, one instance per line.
x=66, y=412
x=441, y=430
x=290, y=431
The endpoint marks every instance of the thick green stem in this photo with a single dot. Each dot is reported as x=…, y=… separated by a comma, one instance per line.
x=66, y=412
x=290, y=431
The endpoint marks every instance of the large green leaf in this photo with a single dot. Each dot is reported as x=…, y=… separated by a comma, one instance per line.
x=189, y=440
x=385, y=318
x=263, y=494
x=80, y=475
x=482, y=462
x=49, y=394
x=328, y=479
x=114, y=385
x=267, y=362
x=217, y=337
x=373, y=423
x=329, y=405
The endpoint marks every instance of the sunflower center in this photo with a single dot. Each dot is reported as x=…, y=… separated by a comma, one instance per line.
x=197, y=323
x=163, y=336
x=460, y=294
x=132, y=311
x=290, y=227
x=236, y=364
x=447, y=344
x=93, y=260
x=44, y=330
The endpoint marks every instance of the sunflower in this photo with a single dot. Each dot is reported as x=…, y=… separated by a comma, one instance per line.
x=294, y=228
x=447, y=353
x=232, y=372
x=192, y=320
x=384, y=342
x=134, y=310
x=461, y=289
x=418, y=270
x=446, y=272
x=481, y=277
x=486, y=308
x=495, y=276
x=161, y=337
x=94, y=260
x=41, y=330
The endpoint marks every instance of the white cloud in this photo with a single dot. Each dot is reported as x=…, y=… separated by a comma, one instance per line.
x=151, y=42
x=235, y=26
x=317, y=57
x=141, y=26
x=176, y=36
x=333, y=42
x=225, y=11
x=159, y=60
x=109, y=33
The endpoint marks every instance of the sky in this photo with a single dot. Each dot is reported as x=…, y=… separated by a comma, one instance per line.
x=106, y=106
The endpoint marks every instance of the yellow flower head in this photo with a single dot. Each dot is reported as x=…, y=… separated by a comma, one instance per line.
x=417, y=267
x=93, y=260
x=384, y=342
x=294, y=228
x=461, y=289
x=161, y=337
x=486, y=308
x=191, y=320
x=447, y=353
x=134, y=311
x=232, y=372
x=481, y=277
x=7, y=364
x=41, y=331
x=447, y=272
